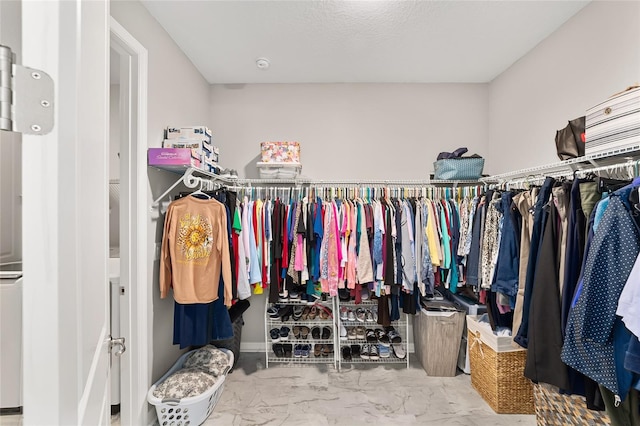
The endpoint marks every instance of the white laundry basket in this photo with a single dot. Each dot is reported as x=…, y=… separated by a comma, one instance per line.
x=190, y=411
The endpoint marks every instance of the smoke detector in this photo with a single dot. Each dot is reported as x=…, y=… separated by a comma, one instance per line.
x=262, y=64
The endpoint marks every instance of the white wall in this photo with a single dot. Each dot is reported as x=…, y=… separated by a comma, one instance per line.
x=177, y=95
x=594, y=55
x=350, y=131
x=346, y=131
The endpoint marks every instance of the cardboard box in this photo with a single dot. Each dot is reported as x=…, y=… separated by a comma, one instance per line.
x=172, y=158
x=189, y=132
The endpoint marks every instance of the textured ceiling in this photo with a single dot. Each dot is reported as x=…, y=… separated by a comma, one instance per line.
x=358, y=41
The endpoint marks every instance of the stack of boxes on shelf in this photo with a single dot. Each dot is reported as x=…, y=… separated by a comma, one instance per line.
x=614, y=123
x=279, y=160
x=186, y=147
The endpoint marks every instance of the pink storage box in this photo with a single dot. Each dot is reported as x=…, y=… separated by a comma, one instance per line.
x=172, y=158
x=280, y=152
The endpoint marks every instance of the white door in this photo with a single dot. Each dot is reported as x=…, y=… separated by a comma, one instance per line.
x=65, y=218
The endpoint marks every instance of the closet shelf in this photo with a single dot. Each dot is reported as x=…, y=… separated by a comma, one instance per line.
x=587, y=162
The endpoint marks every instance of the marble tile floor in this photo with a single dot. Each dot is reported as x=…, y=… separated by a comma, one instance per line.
x=309, y=395
x=358, y=395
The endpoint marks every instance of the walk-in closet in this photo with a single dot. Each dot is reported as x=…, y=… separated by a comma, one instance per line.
x=319, y=212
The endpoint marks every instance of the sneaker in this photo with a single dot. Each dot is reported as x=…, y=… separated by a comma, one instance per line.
x=375, y=316
x=304, y=351
x=297, y=312
x=370, y=335
x=364, y=293
x=361, y=333
x=360, y=315
x=394, y=336
x=374, y=352
x=284, y=296
x=344, y=313
x=312, y=299
x=284, y=333
x=294, y=295
x=275, y=335
x=385, y=352
x=343, y=332
x=398, y=350
x=350, y=315
x=368, y=316
x=272, y=311
x=297, y=351
x=351, y=333
x=303, y=297
x=383, y=339
x=364, y=353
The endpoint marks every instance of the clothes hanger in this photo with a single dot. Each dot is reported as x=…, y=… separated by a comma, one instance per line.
x=200, y=190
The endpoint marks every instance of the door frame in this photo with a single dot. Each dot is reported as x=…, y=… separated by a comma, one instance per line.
x=135, y=315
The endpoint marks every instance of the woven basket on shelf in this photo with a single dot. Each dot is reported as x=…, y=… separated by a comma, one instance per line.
x=498, y=377
x=555, y=409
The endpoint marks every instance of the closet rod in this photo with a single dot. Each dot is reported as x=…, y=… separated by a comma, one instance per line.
x=191, y=181
x=629, y=167
x=570, y=165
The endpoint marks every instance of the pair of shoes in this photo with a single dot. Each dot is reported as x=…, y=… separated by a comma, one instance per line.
x=370, y=335
x=382, y=337
x=398, y=350
x=323, y=334
x=346, y=353
x=301, y=351
x=301, y=332
x=370, y=352
x=322, y=350
x=279, y=334
x=394, y=336
x=282, y=350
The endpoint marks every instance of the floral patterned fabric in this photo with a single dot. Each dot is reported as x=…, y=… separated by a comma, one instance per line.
x=208, y=359
x=184, y=383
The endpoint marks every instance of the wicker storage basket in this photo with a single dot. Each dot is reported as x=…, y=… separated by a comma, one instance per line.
x=555, y=409
x=498, y=376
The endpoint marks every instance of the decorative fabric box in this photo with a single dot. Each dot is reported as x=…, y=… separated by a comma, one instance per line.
x=555, y=409
x=614, y=123
x=497, y=370
x=280, y=152
x=464, y=168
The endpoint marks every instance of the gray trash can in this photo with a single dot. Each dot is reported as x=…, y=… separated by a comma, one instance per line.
x=437, y=335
